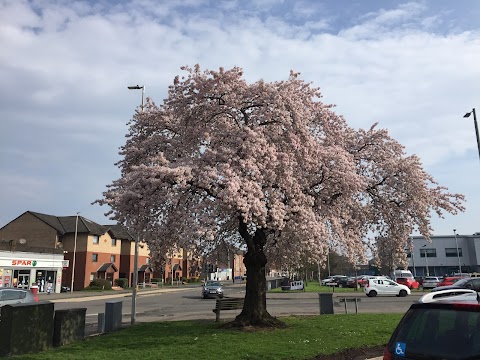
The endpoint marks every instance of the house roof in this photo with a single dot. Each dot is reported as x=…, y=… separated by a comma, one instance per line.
x=106, y=266
x=68, y=224
x=145, y=268
x=177, y=267
x=119, y=232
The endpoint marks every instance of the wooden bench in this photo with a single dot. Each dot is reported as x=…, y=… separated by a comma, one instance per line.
x=349, y=299
x=227, y=304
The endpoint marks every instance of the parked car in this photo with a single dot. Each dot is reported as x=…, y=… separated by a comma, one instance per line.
x=326, y=280
x=212, y=289
x=451, y=295
x=409, y=282
x=12, y=296
x=339, y=281
x=429, y=282
x=449, y=280
x=437, y=330
x=377, y=286
x=363, y=281
x=465, y=283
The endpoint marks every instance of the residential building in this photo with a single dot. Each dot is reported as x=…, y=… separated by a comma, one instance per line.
x=89, y=250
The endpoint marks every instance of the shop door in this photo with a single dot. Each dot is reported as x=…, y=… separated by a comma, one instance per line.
x=23, y=281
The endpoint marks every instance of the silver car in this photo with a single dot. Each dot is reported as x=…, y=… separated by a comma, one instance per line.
x=430, y=282
x=15, y=296
x=212, y=289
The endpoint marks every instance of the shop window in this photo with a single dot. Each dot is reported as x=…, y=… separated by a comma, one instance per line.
x=94, y=257
x=112, y=258
x=96, y=239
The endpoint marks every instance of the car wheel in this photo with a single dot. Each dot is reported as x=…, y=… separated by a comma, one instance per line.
x=340, y=285
x=220, y=296
x=372, y=293
x=402, y=293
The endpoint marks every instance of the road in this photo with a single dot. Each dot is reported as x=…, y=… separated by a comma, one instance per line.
x=185, y=303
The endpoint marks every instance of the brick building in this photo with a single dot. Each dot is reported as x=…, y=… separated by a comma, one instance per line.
x=100, y=251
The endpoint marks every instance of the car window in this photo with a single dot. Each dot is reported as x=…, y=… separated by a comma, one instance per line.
x=13, y=295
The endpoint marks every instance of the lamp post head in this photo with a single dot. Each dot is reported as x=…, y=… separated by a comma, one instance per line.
x=135, y=87
x=467, y=114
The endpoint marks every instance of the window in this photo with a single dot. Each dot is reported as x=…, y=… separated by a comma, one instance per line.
x=112, y=258
x=428, y=252
x=96, y=239
x=94, y=257
x=114, y=242
x=148, y=261
x=93, y=276
x=452, y=252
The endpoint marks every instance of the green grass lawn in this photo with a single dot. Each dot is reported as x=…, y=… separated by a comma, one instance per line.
x=304, y=338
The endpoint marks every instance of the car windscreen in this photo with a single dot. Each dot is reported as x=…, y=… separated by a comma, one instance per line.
x=213, y=284
x=462, y=282
x=437, y=333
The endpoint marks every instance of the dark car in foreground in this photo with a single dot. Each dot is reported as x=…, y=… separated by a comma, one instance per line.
x=465, y=283
x=447, y=330
x=212, y=289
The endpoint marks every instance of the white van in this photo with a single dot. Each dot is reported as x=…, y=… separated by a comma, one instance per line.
x=402, y=274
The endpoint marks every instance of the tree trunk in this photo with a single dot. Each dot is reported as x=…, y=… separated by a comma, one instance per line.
x=254, y=312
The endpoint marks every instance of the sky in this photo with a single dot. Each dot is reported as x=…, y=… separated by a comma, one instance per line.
x=411, y=66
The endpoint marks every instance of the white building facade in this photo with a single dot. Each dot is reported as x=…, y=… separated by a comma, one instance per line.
x=22, y=269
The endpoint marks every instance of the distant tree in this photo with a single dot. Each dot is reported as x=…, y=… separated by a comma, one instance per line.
x=271, y=167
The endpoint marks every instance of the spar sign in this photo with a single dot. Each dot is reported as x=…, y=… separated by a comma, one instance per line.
x=24, y=262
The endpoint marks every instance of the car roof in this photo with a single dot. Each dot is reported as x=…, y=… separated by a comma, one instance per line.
x=450, y=295
x=451, y=304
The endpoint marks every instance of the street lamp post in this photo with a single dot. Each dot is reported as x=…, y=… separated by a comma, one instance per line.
x=74, y=252
x=476, y=127
x=426, y=258
x=135, y=282
x=138, y=87
x=135, y=258
x=458, y=254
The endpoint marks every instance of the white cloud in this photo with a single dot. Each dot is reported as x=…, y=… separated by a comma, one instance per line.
x=66, y=67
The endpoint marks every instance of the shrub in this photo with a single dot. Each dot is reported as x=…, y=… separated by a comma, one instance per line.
x=122, y=282
x=156, y=280
x=99, y=284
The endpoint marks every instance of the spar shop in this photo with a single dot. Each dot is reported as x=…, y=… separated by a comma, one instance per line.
x=21, y=270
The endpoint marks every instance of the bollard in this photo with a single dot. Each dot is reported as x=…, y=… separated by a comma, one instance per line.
x=101, y=323
x=326, y=303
